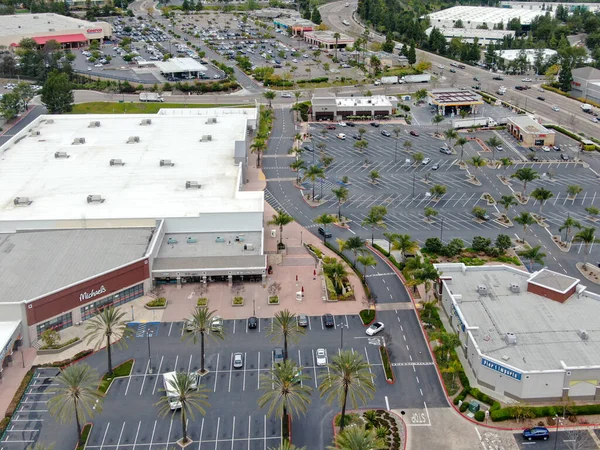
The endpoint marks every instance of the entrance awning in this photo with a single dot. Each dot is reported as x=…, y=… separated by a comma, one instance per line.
x=61, y=38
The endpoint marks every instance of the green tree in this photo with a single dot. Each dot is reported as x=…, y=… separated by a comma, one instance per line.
x=568, y=225
x=358, y=438
x=450, y=135
x=506, y=202
x=355, y=244
x=436, y=120
x=375, y=219
x=10, y=106
x=324, y=219
x=533, y=255
x=270, y=95
x=348, y=378
x=592, y=211
x=430, y=212
x=285, y=328
x=57, y=93
x=312, y=174
x=506, y=163
x=366, y=260
x=407, y=145
x=374, y=176
x=448, y=341
x=461, y=142
x=542, y=195
x=503, y=242
x=403, y=243
x=258, y=146
x=336, y=36
x=361, y=145
x=283, y=394
x=388, y=45
x=316, y=16
x=341, y=195
x=477, y=162
x=77, y=395
x=191, y=398
x=587, y=236
x=281, y=219
x=336, y=271
x=298, y=165
x=418, y=158
x=453, y=367
x=412, y=54
x=525, y=175
x=421, y=94
x=573, y=190
x=108, y=327
x=525, y=219
x=479, y=212
x=198, y=327
x=438, y=190
x=565, y=76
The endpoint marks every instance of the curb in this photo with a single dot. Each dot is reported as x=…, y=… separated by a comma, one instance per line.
x=20, y=118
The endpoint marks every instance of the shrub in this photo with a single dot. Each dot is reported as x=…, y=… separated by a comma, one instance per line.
x=481, y=244
x=50, y=338
x=385, y=252
x=87, y=428
x=463, y=407
x=156, y=303
x=508, y=259
x=20, y=391
x=350, y=418
x=202, y=301
x=122, y=370
x=237, y=300
x=60, y=345
x=367, y=316
x=494, y=252
x=480, y=416
x=471, y=261
x=273, y=299
x=385, y=359
x=434, y=245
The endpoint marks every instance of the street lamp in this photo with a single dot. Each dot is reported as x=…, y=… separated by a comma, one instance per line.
x=341, y=325
x=442, y=230
x=557, y=419
x=149, y=335
x=413, y=196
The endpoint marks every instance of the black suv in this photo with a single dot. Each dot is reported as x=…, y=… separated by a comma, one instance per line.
x=252, y=322
x=328, y=320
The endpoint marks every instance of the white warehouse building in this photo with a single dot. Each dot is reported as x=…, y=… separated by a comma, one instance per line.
x=474, y=16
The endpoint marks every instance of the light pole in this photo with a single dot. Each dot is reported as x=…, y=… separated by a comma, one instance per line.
x=149, y=335
x=395, y=150
x=556, y=434
x=341, y=325
x=442, y=229
x=413, y=196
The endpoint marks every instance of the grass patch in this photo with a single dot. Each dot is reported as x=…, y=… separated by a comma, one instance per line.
x=471, y=261
x=85, y=432
x=367, y=316
x=349, y=419
x=156, y=303
x=387, y=367
x=202, y=301
x=60, y=345
x=122, y=370
x=273, y=299
x=238, y=300
x=137, y=108
x=508, y=259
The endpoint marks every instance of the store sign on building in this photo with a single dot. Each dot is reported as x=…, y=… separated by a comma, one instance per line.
x=500, y=368
x=91, y=294
x=94, y=30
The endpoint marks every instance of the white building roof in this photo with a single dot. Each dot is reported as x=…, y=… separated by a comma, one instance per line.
x=471, y=33
x=529, y=125
x=43, y=23
x=175, y=65
x=511, y=55
x=375, y=100
x=547, y=5
x=327, y=36
x=482, y=14
x=58, y=187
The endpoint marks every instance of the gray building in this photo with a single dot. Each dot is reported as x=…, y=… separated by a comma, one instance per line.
x=586, y=83
x=337, y=108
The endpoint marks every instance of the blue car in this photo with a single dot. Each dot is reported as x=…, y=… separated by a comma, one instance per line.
x=536, y=433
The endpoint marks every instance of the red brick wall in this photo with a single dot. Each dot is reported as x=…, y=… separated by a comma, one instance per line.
x=70, y=298
x=548, y=293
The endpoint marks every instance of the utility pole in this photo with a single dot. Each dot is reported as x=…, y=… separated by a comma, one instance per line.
x=413, y=195
x=442, y=230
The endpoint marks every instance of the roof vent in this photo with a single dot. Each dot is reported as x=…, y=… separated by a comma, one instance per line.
x=50, y=121
x=482, y=289
x=35, y=133
x=514, y=287
x=146, y=122
x=133, y=139
x=94, y=124
x=583, y=335
x=206, y=138
x=95, y=199
x=117, y=162
x=78, y=141
x=22, y=201
x=510, y=338
x=61, y=155
x=211, y=120
x=192, y=185
x=166, y=163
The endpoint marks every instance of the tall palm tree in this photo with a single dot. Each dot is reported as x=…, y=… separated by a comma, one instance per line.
x=375, y=219
x=568, y=225
x=358, y=438
x=298, y=165
x=533, y=255
x=285, y=328
x=297, y=94
x=542, y=195
x=436, y=120
x=525, y=174
x=427, y=274
x=258, y=146
x=477, y=162
x=450, y=134
x=493, y=142
x=404, y=243
x=336, y=36
x=312, y=173
x=198, y=326
x=348, y=375
x=341, y=195
x=283, y=393
x=366, y=260
x=525, y=219
x=324, y=219
x=506, y=163
x=507, y=201
x=336, y=271
x=183, y=388
x=108, y=327
x=270, y=95
x=280, y=219
x=355, y=244
x=77, y=395
x=461, y=142
x=588, y=237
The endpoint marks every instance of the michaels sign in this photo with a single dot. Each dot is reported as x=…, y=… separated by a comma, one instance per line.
x=92, y=293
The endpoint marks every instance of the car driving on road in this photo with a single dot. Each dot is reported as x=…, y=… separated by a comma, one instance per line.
x=375, y=328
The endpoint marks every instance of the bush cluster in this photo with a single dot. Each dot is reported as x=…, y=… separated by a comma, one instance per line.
x=367, y=316
x=387, y=367
x=156, y=303
x=59, y=345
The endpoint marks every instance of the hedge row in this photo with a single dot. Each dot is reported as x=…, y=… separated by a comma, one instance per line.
x=571, y=134
x=513, y=412
x=565, y=94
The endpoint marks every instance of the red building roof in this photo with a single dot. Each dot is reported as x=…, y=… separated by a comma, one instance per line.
x=61, y=38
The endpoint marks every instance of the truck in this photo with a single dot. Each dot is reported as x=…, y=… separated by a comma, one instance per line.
x=424, y=78
x=389, y=80
x=479, y=122
x=587, y=108
x=150, y=97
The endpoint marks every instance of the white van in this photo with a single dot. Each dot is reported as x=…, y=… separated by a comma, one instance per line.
x=341, y=136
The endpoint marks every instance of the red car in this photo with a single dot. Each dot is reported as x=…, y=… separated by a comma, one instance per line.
x=330, y=127
x=414, y=133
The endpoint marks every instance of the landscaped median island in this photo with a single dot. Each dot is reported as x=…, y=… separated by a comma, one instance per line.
x=380, y=429
x=387, y=366
x=367, y=316
x=122, y=370
x=85, y=434
x=159, y=303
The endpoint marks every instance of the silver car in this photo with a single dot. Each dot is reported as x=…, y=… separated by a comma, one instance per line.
x=238, y=360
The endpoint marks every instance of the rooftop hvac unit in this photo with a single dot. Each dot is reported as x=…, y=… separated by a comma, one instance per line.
x=211, y=120
x=117, y=162
x=510, y=338
x=133, y=139
x=192, y=185
x=50, y=121
x=60, y=155
x=95, y=199
x=35, y=133
x=146, y=122
x=166, y=163
x=22, y=201
x=482, y=289
x=78, y=141
x=583, y=335
x=249, y=247
x=514, y=287
x=94, y=124
x=206, y=138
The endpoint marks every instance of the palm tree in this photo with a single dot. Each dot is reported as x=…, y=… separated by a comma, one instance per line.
x=542, y=195
x=297, y=94
x=337, y=272
x=183, y=389
x=568, y=225
x=436, y=120
x=312, y=173
x=493, y=142
x=426, y=275
x=461, y=142
x=573, y=190
x=285, y=327
x=588, y=237
x=258, y=146
x=108, y=326
x=407, y=145
x=269, y=95
x=477, y=162
x=358, y=438
x=336, y=36
x=348, y=375
x=525, y=174
x=77, y=395
x=366, y=260
x=199, y=326
x=525, y=219
x=298, y=165
x=404, y=243
x=374, y=176
x=507, y=201
x=449, y=341
x=355, y=244
x=341, y=195
x=375, y=219
x=281, y=219
x=361, y=145
x=324, y=219
x=283, y=393
x=534, y=255
x=506, y=163
x=450, y=134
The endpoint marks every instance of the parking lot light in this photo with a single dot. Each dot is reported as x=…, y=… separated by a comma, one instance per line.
x=149, y=335
x=341, y=325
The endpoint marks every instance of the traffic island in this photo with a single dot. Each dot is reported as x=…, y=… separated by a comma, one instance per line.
x=390, y=428
x=387, y=365
x=183, y=444
x=589, y=271
x=473, y=180
x=505, y=181
x=521, y=198
x=562, y=246
x=488, y=198
x=541, y=221
x=504, y=220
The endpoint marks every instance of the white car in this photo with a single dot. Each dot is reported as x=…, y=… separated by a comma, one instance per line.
x=440, y=67
x=286, y=95
x=321, y=357
x=546, y=148
x=341, y=136
x=342, y=124
x=375, y=328
x=555, y=108
x=526, y=80
x=238, y=360
x=98, y=65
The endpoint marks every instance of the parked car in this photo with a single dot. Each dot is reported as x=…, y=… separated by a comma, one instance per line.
x=545, y=148
x=499, y=148
x=358, y=137
x=375, y=328
x=426, y=161
x=330, y=127
x=445, y=151
x=328, y=320
x=321, y=357
x=216, y=324
x=374, y=124
x=302, y=320
x=306, y=148
x=556, y=148
x=386, y=133
x=277, y=355
x=350, y=124
x=414, y=133
x=342, y=124
x=436, y=166
x=536, y=433
x=564, y=157
x=341, y=136
x=323, y=232
x=238, y=360
x=252, y=322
